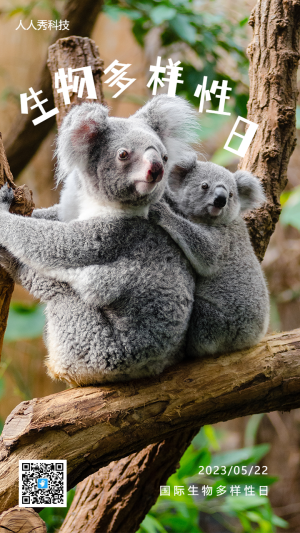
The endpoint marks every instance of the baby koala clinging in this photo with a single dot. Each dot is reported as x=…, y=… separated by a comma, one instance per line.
x=231, y=308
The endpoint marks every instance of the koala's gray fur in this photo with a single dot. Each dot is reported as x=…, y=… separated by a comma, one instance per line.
x=231, y=308
x=119, y=292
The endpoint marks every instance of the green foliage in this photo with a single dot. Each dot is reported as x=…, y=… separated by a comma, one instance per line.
x=54, y=516
x=27, y=10
x=211, y=37
x=24, y=322
x=180, y=514
x=290, y=213
x=252, y=428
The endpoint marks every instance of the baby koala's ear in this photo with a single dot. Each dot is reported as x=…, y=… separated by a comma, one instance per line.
x=179, y=171
x=251, y=193
x=175, y=122
x=80, y=129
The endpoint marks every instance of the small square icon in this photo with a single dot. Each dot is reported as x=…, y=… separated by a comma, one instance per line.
x=42, y=483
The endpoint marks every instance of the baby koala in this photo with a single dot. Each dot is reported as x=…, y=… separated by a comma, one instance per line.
x=231, y=308
x=119, y=292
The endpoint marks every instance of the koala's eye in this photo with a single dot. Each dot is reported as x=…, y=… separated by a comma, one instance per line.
x=230, y=194
x=204, y=185
x=165, y=158
x=123, y=154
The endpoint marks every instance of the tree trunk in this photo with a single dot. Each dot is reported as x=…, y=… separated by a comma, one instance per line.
x=24, y=138
x=21, y=520
x=22, y=205
x=74, y=52
x=92, y=426
x=273, y=54
x=117, y=497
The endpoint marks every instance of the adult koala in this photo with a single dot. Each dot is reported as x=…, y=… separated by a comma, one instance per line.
x=119, y=292
x=231, y=309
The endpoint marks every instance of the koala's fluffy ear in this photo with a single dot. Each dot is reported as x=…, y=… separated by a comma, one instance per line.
x=80, y=129
x=175, y=122
x=250, y=190
x=180, y=170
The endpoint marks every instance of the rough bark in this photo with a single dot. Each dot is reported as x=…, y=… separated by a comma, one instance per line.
x=92, y=426
x=274, y=56
x=24, y=138
x=114, y=498
x=22, y=205
x=21, y=520
x=74, y=52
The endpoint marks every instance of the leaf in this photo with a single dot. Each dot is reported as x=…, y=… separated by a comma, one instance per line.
x=151, y=525
x=244, y=456
x=211, y=437
x=24, y=322
x=277, y=521
x=162, y=13
x=177, y=524
x=290, y=213
x=243, y=22
x=184, y=28
x=191, y=460
x=114, y=12
x=256, y=481
x=242, y=503
x=252, y=428
x=284, y=197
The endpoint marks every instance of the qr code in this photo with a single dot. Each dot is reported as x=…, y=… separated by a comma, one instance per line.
x=43, y=483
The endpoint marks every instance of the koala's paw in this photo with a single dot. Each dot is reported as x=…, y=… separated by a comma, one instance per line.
x=6, y=197
x=5, y=258
x=158, y=211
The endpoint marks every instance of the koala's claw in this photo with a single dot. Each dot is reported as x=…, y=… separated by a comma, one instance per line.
x=154, y=213
x=6, y=197
x=159, y=211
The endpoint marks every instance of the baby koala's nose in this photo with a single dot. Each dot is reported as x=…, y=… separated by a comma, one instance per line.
x=155, y=172
x=220, y=200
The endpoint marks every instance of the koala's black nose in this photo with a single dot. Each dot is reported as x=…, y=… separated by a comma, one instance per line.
x=155, y=172
x=220, y=200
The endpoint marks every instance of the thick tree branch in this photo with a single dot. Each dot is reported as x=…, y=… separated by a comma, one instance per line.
x=92, y=426
x=24, y=138
x=21, y=520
